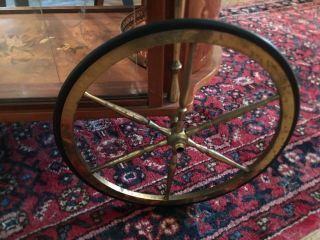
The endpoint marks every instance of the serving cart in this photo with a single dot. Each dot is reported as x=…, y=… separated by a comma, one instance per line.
x=135, y=62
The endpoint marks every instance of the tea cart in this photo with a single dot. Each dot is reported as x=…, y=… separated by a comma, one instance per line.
x=57, y=63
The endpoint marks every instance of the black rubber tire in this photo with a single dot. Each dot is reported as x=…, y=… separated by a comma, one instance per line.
x=126, y=37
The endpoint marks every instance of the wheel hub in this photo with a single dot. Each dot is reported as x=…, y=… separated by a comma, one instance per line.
x=178, y=141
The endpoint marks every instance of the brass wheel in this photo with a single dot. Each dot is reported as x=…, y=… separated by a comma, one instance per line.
x=178, y=136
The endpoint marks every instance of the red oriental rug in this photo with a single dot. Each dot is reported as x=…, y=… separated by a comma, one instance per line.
x=40, y=198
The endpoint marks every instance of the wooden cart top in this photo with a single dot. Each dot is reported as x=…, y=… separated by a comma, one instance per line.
x=38, y=51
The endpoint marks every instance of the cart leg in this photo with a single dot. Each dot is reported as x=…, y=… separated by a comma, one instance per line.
x=21, y=3
x=3, y=3
x=127, y=2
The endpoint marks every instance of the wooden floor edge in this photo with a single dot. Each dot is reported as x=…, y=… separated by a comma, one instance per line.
x=315, y=235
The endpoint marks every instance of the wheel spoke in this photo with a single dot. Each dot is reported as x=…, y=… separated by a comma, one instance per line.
x=217, y=155
x=229, y=115
x=128, y=114
x=129, y=156
x=171, y=172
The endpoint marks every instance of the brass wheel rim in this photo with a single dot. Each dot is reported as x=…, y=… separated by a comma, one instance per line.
x=192, y=35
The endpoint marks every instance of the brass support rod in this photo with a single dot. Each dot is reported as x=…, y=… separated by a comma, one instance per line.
x=186, y=90
x=172, y=169
x=129, y=114
x=129, y=156
x=179, y=9
x=216, y=155
x=229, y=115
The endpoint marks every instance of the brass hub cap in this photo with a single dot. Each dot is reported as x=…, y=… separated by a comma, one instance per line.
x=178, y=141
